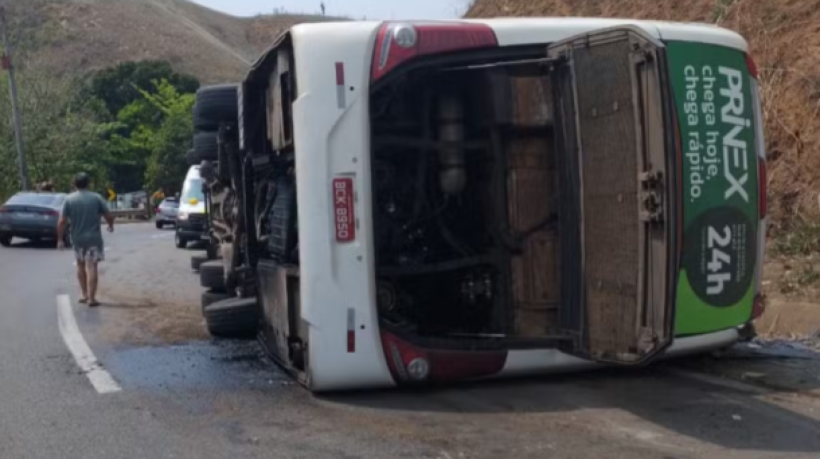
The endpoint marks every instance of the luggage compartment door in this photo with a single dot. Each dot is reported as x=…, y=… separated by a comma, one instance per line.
x=615, y=144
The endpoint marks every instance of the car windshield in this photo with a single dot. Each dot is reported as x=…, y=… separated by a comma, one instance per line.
x=193, y=190
x=49, y=200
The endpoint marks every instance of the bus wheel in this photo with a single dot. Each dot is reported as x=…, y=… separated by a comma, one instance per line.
x=212, y=275
x=210, y=297
x=232, y=318
x=180, y=241
x=212, y=250
x=197, y=260
x=193, y=158
x=216, y=105
x=206, y=147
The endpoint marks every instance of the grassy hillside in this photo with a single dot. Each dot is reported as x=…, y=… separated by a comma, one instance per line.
x=784, y=36
x=81, y=35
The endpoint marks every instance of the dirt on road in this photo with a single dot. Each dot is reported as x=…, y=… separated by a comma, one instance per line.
x=792, y=286
x=150, y=294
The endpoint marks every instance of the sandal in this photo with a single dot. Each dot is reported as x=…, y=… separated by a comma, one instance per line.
x=83, y=300
x=94, y=303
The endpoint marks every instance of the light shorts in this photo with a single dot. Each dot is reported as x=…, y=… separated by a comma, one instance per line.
x=91, y=253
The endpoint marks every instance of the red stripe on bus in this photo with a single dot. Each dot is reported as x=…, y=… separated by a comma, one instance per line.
x=340, y=74
x=351, y=341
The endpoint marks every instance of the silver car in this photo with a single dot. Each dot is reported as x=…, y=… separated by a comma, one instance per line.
x=166, y=212
x=31, y=216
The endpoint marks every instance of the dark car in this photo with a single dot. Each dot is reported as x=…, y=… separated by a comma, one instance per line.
x=31, y=216
x=166, y=212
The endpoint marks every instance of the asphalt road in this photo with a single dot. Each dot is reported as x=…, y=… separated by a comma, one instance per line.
x=185, y=396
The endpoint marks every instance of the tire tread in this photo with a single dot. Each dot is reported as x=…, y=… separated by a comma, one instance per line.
x=232, y=318
x=212, y=275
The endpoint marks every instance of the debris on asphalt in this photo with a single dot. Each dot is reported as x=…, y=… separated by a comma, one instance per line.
x=805, y=348
x=752, y=375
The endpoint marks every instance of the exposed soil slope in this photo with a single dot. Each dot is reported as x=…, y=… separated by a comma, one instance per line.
x=784, y=36
x=81, y=35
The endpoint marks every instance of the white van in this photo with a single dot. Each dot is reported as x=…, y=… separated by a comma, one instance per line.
x=428, y=202
x=191, y=217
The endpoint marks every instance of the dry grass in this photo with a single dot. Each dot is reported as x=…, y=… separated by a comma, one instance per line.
x=82, y=35
x=784, y=37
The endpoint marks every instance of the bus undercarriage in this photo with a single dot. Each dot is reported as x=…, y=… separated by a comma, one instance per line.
x=487, y=234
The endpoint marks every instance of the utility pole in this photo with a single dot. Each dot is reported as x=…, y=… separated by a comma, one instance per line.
x=8, y=64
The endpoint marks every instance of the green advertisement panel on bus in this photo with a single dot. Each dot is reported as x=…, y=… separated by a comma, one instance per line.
x=712, y=88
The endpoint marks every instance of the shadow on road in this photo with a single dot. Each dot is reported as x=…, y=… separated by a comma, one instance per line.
x=40, y=244
x=705, y=412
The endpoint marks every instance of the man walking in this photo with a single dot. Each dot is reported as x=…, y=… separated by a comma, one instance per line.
x=82, y=211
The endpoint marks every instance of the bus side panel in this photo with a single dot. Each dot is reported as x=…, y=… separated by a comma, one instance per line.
x=331, y=132
x=716, y=282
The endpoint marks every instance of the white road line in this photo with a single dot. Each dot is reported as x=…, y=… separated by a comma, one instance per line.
x=88, y=363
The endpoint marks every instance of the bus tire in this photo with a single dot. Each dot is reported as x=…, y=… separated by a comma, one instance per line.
x=197, y=260
x=212, y=251
x=206, y=146
x=212, y=275
x=192, y=157
x=216, y=105
x=210, y=297
x=232, y=318
x=179, y=241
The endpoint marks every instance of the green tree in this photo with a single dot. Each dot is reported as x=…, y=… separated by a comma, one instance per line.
x=167, y=166
x=61, y=132
x=119, y=86
x=126, y=91
x=163, y=139
x=67, y=129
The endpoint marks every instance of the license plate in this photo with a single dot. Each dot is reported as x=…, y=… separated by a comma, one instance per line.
x=25, y=215
x=344, y=210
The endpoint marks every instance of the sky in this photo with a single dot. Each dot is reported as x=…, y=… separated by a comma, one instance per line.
x=356, y=9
